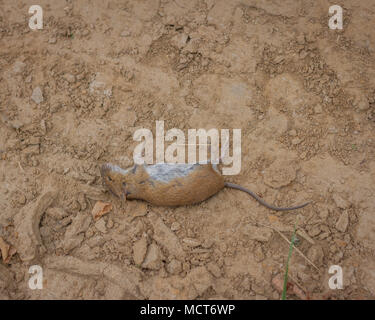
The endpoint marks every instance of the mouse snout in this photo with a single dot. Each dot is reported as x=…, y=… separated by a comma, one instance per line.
x=111, y=179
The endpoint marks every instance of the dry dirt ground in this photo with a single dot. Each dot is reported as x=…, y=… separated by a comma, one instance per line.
x=73, y=94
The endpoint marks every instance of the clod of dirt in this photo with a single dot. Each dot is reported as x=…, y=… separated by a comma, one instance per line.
x=139, y=251
x=195, y=284
x=174, y=267
x=200, y=278
x=165, y=237
x=153, y=258
x=74, y=234
x=343, y=222
x=214, y=269
x=125, y=277
x=191, y=242
x=100, y=209
x=316, y=254
x=280, y=174
x=93, y=193
x=26, y=224
x=100, y=226
x=37, y=95
x=261, y=234
x=56, y=213
x=19, y=67
x=340, y=202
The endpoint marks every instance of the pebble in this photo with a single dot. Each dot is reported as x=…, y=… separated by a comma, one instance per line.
x=314, y=231
x=296, y=141
x=343, y=222
x=19, y=67
x=37, y=95
x=316, y=254
x=191, y=242
x=259, y=254
x=139, y=250
x=100, y=225
x=153, y=258
x=207, y=243
x=174, y=267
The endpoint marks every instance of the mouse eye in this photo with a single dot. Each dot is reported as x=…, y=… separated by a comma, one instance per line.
x=109, y=178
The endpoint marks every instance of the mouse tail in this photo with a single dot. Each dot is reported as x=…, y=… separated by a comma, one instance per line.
x=260, y=200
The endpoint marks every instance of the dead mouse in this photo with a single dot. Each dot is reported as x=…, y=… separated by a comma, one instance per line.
x=166, y=184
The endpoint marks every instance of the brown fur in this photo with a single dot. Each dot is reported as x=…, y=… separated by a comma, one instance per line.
x=196, y=187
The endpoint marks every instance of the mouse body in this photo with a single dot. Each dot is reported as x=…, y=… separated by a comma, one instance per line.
x=166, y=184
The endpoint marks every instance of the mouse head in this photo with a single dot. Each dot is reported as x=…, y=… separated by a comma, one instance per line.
x=122, y=182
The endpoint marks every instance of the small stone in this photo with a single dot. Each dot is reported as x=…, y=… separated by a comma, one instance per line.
x=259, y=254
x=37, y=95
x=100, y=226
x=292, y=133
x=200, y=278
x=21, y=199
x=139, y=250
x=174, y=267
x=296, y=141
x=207, y=243
x=343, y=222
x=279, y=59
x=153, y=258
x=180, y=40
x=19, y=67
x=261, y=234
x=191, y=242
x=314, y=231
x=52, y=40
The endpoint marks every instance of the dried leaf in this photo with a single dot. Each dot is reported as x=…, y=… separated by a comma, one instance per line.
x=6, y=251
x=100, y=209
